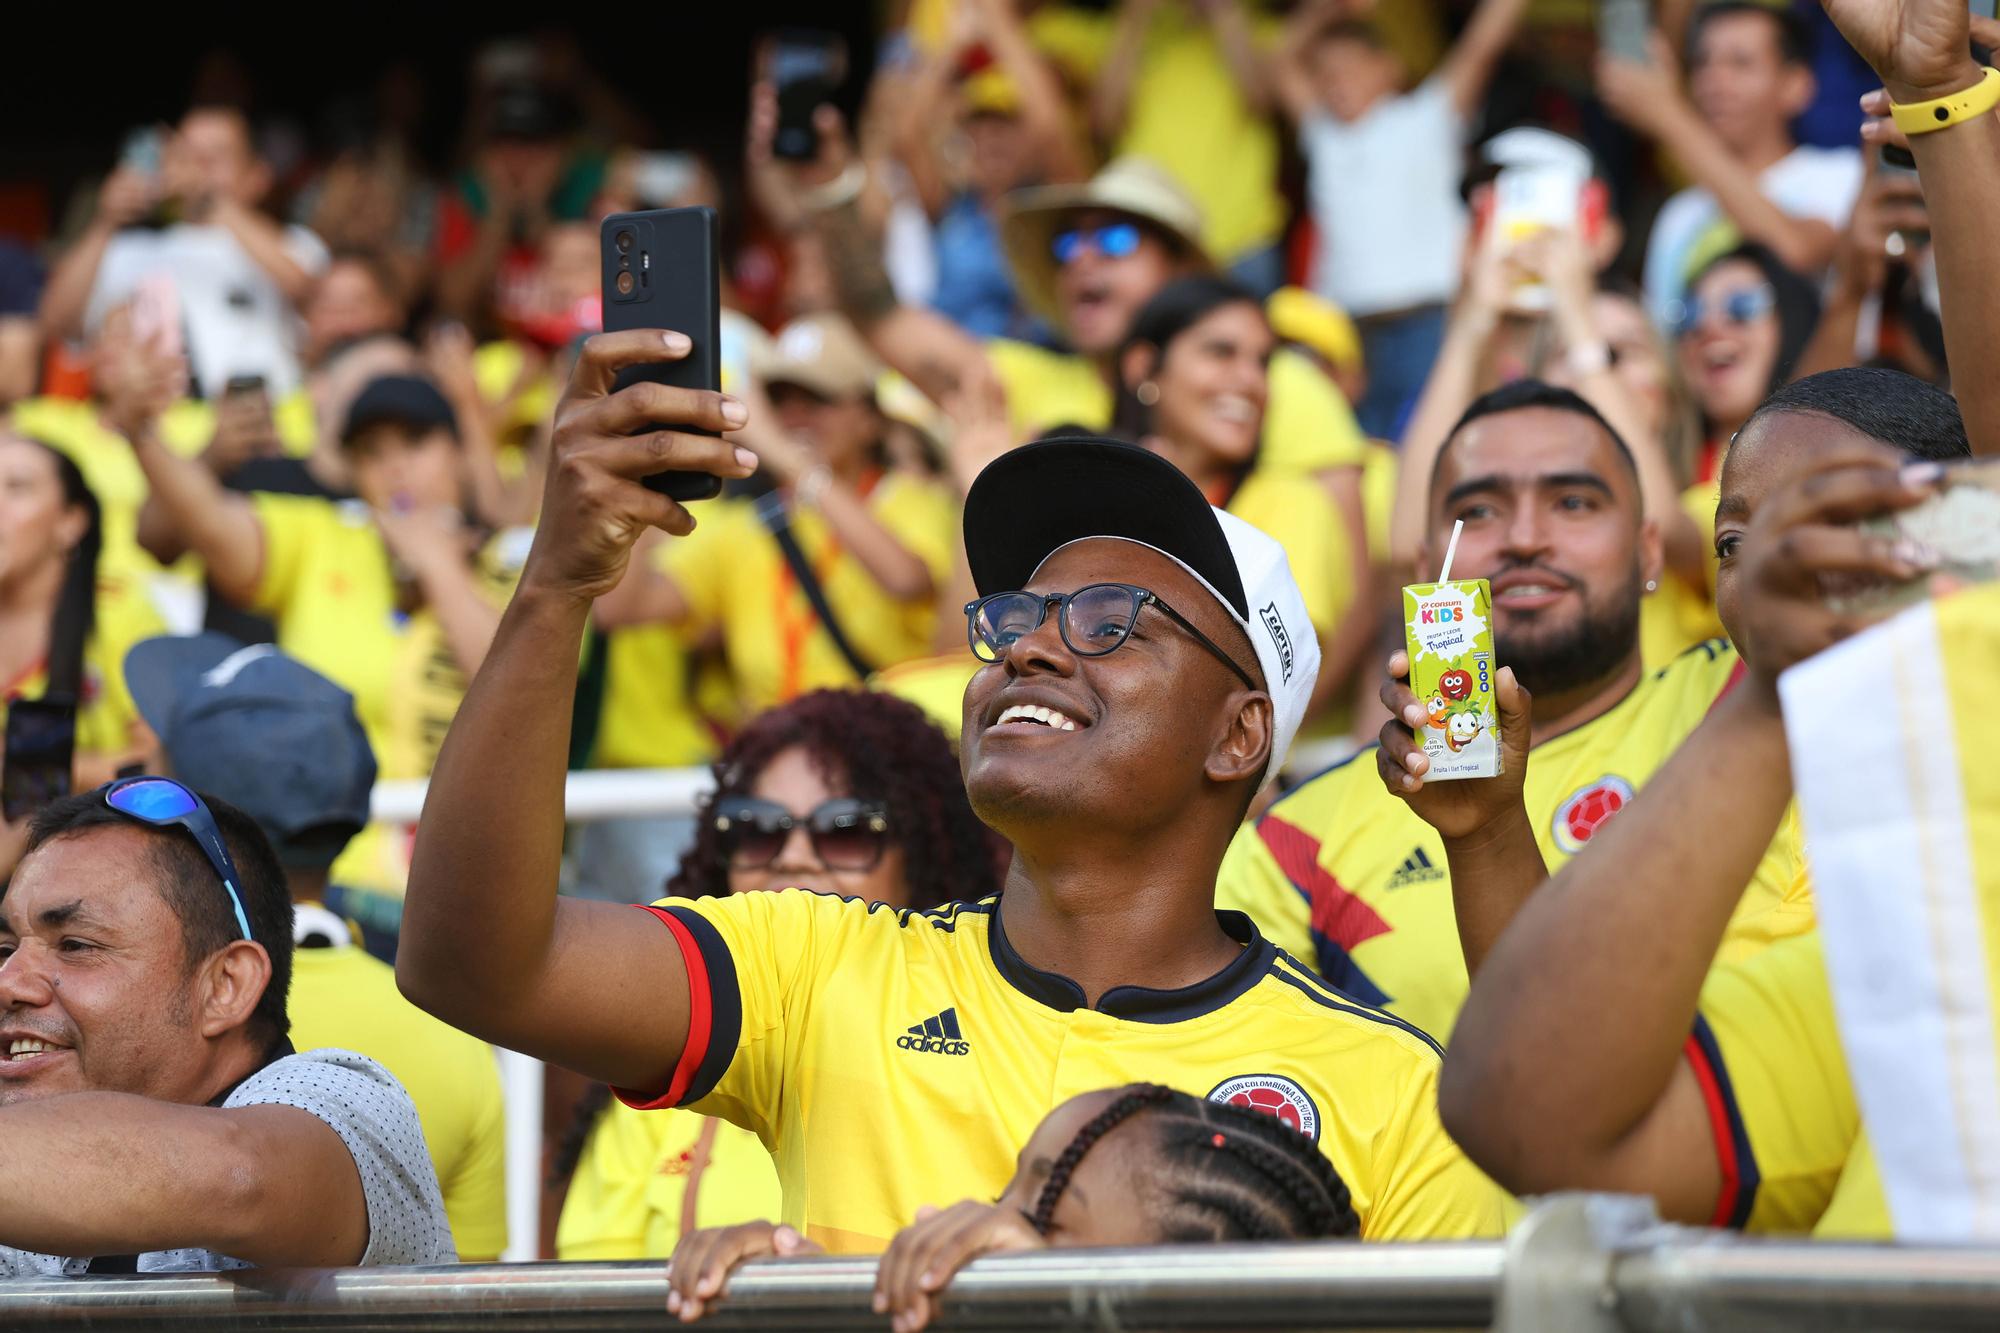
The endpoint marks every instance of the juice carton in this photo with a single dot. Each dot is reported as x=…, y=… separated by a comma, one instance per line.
x=1448, y=629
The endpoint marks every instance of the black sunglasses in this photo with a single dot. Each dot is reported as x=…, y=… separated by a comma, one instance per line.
x=1094, y=621
x=847, y=834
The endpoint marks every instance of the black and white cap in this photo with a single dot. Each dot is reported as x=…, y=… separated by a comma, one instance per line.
x=1033, y=501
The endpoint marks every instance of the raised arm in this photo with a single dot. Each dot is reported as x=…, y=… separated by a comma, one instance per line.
x=1649, y=98
x=1044, y=105
x=272, y=1185
x=486, y=944
x=1920, y=49
x=1111, y=97
x=1469, y=65
x=1291, y=83
x=1238, y=44
x=1565, y=1069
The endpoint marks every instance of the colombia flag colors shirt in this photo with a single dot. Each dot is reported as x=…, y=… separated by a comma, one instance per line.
x=1341, y=871
x=893, y=1059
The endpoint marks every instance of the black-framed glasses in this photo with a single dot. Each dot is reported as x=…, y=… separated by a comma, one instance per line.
x=846, y=833
x=1739, y=307
x=164, y=803
x=1093, y=621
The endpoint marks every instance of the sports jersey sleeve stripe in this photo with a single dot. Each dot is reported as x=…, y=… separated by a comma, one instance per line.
x=1318, y=994
x=715, y=1012
x=1733, y=1153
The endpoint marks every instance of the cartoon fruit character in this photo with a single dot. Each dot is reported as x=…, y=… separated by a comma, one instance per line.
x=1460, y=729
x=1455, y=685
x=1437, y=708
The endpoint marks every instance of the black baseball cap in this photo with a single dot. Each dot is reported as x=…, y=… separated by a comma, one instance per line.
x=264, y=732
x=409, y=400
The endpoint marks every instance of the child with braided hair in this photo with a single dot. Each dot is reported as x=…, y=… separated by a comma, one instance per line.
x=1198, y=1171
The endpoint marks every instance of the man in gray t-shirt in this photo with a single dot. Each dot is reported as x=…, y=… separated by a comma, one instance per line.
x=153, y=1116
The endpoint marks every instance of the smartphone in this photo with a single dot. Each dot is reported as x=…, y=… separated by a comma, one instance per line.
x=1623, y=29
x=807, y=68
x=41, y=751
x=156, y=314
x=662, y=271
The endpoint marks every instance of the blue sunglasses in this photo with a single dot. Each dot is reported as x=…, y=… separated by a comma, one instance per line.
x=164, y=803
x=1739, y=307
x=1113, y=240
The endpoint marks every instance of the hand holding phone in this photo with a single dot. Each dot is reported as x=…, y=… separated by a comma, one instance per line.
x=662, y=271
x=807, y=67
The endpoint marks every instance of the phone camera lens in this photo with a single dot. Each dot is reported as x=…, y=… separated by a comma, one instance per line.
x=626, y=284
x=624, y=242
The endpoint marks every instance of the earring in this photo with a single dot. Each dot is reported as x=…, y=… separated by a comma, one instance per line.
x=1148, y=394
x=1652, y=585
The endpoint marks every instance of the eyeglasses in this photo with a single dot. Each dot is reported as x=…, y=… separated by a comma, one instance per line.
x=1094, y=621
x=1738, y=307
x=847, y=834
x=1113, y=240
x=164, y=803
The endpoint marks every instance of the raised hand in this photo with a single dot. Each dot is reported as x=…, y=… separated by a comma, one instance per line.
x=1921, y=48
x=1462, y=808
x=594, y=506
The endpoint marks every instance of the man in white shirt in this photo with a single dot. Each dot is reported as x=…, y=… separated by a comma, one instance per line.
x=153, y=1115
x=1748, y=79
x=237, y=277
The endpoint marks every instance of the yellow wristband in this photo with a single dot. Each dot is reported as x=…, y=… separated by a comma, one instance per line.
x=1944, y=112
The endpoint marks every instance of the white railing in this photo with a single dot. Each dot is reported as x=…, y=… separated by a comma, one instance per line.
x=1577, y=1264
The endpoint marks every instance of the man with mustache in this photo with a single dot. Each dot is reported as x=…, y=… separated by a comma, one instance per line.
x=1342, y=872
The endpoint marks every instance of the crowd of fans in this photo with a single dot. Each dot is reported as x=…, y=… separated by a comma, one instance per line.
x=1288, y=297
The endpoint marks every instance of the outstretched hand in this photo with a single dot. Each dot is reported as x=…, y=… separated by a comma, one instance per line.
x=1921, y=48
x=927, y=1254
x=594, y=506
x=698, y=1273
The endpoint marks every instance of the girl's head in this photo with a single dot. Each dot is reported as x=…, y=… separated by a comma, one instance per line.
x=841, y=791
x=1742, y=327
x=1194, y=371
x=401, y=445
x=1807, y=417
x=1196, y=1170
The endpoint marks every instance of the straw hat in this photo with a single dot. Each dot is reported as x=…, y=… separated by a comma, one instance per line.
x=822, y=353
x=1134, y=186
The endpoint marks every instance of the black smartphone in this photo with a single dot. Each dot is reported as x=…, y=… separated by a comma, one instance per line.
x=662, y=271
x=807, y=68
x=41, y=750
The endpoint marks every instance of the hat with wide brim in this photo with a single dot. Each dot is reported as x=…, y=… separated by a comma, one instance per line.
x=1135, y=186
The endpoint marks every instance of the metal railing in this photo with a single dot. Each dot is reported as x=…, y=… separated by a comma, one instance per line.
x=1578, y=1264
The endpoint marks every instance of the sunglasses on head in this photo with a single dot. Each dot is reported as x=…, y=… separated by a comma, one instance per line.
x=1113, y=240
x=846, y=833
x=164, y=803
x=1739, y=307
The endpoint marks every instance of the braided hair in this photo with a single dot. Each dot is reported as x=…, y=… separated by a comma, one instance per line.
x=1225, y=1172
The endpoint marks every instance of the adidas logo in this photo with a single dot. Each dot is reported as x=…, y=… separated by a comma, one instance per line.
x=1417, y=868
x=937, y=1034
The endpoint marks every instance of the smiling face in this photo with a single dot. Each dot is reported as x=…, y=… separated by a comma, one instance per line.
x=1741, y=82
x=1455, y=685
x=1214, y=381
x=1728, y=365
x=1096, y=1208
x=1552, y=519
x=93, y=973
x=1147, y=725
x=1100, y=294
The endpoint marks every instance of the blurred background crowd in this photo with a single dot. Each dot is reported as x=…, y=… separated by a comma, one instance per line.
x=278, y=354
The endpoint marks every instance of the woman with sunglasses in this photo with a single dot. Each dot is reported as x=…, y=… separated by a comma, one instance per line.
x=1194, y=383
x=838, y=792
x=1739, y=334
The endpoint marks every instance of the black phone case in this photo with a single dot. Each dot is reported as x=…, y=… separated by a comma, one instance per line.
x=671, y=280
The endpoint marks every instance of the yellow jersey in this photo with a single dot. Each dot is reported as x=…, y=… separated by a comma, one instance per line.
x=736, y=582
x=934, y=684
x=648, y=718
x=1342, y=872
x=846, y=1036
x=646, y=1177
x=343, y=997
x=327, y=583
x=1187, y=113
x=1295, y=511
x=1308, y=424
x=107, y=721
